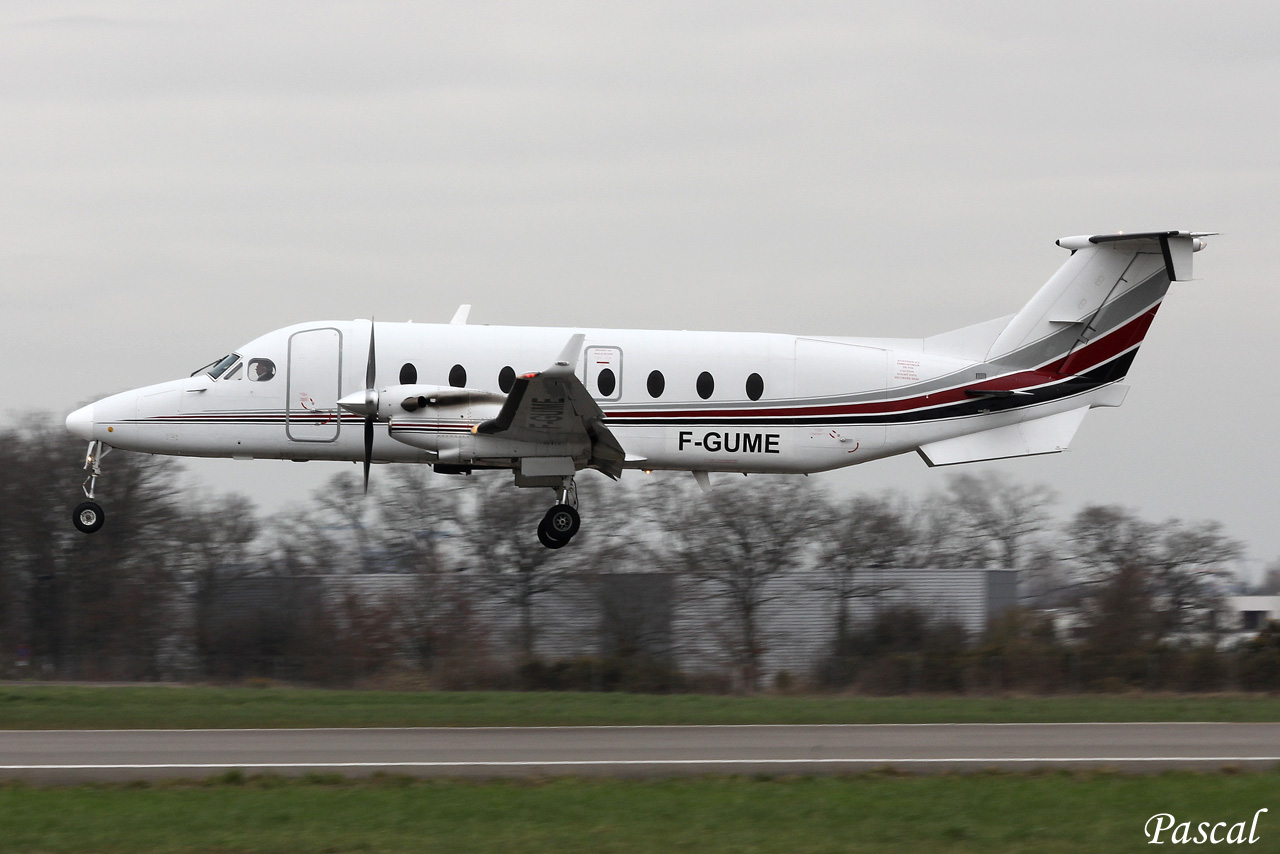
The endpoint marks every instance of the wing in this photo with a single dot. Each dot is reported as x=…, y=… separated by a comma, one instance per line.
x=553, y=406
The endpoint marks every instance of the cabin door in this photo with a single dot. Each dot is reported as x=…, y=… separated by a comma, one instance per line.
x=315, y=384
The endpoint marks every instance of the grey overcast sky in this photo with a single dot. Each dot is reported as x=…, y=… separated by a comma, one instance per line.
x=177, y=178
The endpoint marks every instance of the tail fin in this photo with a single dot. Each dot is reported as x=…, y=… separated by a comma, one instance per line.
x=1079, y=333
x=1095, y=311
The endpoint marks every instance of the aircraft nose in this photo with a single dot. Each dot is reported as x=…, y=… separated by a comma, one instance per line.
x=80, y=423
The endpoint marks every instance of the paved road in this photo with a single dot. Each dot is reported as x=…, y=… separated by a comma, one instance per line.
x=71, y=755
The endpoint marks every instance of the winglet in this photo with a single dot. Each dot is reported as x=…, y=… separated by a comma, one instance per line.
x=568, y=357
x=460, y=316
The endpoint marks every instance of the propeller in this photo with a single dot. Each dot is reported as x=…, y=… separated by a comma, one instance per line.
x=365, y=403
x=371, y=414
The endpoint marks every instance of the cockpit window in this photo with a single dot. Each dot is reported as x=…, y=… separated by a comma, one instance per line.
x=234, y=373
x=215, y=369
x=261, y=370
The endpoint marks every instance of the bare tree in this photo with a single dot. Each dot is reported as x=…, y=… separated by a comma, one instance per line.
x=939, y=535
x=621, y=563
x=416, y=515
x=1106, y=537
x=34, y=539
x=125, y=576
x=864, y=534
x=417, y=519
x=335, y=526
x=1180, y=565
x=92, y=604
x=1189, y=570
x=497, y=528
x=220, y=536
x=1121, y=616
x=736, y=542
x=1000, y=517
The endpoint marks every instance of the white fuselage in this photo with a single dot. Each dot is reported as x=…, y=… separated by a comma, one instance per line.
x=774, y=403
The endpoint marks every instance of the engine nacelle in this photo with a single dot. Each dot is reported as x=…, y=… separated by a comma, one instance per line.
x=437, y=418
x=431, y=402
x=443, y=419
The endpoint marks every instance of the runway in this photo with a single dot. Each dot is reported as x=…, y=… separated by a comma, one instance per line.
x=633, y=751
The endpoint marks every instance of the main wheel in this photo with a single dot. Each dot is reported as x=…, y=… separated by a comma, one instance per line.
x=562, y=522
x=88, y=517
x=545, y=537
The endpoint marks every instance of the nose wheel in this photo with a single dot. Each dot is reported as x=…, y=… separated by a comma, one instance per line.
x=88, y=515
x=562, y=521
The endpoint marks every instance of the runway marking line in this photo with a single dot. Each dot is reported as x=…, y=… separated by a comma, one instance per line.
x=563, y=763
x=447, y=728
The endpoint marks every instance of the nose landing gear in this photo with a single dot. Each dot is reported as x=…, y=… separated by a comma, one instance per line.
x=562, y=521
x=88, y=515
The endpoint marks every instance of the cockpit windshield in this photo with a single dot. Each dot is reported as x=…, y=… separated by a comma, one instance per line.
x=215, y=369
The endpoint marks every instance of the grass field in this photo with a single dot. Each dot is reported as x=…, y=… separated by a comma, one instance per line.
x=1052, y=812
x=58, y=707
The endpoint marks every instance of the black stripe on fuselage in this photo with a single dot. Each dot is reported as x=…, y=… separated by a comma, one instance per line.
x=1102, y=375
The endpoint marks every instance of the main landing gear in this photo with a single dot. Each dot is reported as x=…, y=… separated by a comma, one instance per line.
x=562, y=521
x=88, y=515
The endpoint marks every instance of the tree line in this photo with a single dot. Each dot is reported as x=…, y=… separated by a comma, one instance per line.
x=206, y=589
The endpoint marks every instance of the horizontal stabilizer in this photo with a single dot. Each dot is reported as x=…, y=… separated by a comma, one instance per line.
x=1175, y=246
x=1048, y=435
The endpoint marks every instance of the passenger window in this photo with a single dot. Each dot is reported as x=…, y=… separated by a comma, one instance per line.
x=706, y=385
x=755, y=386
x=458, y=376
x=606, y=382
x=657, y=383
x=261, y=370
x=408, y=374
x=506, y=379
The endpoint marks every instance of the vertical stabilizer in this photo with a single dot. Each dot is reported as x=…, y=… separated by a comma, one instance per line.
x=1109, y=288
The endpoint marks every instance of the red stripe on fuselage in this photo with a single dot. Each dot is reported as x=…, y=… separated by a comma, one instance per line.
x=1078, y=362
x=1108, y=347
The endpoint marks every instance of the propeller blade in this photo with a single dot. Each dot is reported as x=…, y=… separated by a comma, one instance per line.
x=370, y=378
x=368, y=451
x=370, y=371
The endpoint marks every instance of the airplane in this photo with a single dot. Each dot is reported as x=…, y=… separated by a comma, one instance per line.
x=547, y=403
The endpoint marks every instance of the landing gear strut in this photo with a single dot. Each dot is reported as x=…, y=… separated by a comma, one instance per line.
x=88, y=515
x=562, y=521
